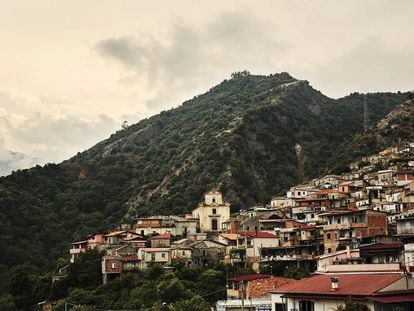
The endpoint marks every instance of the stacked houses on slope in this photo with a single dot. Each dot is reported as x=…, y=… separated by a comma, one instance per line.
x=362, y=220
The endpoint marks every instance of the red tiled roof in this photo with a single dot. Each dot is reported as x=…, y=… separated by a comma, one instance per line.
x=130, y=257
x=261, y=287
x=403, y=297
x=326, y=191
x=249, y=277
x=260, y=234
x=382, y=245
x=349, y=284
x=165, y=236
x=115, y=233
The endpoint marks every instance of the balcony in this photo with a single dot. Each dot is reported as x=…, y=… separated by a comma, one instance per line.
x=234, y=293
x=214, y=215
x=77, y=250
x=344, y=226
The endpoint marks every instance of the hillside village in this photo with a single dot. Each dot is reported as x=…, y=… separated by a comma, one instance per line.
x=349, y=229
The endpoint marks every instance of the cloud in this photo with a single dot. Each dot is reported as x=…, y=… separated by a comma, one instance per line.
x=35, y=136
x=189, y=60
x=370, y=62
x=11, y=161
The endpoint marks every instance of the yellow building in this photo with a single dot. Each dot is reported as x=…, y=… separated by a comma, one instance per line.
x=212, y=213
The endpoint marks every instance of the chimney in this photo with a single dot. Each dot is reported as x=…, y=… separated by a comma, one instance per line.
x=334, y=284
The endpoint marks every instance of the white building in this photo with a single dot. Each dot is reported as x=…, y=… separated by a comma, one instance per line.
x=212, y=213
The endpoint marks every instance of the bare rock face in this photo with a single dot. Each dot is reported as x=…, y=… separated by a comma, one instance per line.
x=125, y=144
x=239, y=137
x=395, y=129
x=401, y=116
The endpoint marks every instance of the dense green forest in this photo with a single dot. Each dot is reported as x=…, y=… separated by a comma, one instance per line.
x=243, y=136
x=178, y=289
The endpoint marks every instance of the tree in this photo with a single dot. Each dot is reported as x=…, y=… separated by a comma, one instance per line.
x=295, y=273
x=86, y=270
x=196, y=303
x=237, y=74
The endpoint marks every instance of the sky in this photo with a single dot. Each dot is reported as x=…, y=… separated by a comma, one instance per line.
x=71, y=72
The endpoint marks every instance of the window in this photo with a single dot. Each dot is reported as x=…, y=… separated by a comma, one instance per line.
x=162, y=255
x=306, y=305
x=328, y=236
x=214, y=200
x=113, y=265
x=214, y=211
x=329, y=250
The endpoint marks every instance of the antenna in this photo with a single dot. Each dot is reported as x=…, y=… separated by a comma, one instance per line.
x=365, y=113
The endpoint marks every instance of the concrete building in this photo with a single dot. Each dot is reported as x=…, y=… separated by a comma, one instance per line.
x=213, y=213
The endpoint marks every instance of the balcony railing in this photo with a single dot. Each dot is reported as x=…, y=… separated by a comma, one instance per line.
x=344, y=226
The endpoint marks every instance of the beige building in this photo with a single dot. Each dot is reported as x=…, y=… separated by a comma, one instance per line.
x=378, y=291
x=212, y=213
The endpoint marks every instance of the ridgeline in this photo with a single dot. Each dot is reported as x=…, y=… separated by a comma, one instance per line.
x=250, y=136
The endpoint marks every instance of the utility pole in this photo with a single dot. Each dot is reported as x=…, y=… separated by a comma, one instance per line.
x=242, y=288
x=365, y=113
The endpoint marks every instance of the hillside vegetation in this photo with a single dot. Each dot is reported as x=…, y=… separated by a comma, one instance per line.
x=250, y=136
x=393, y=130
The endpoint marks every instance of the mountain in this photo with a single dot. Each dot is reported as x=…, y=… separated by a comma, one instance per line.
x=250, y=136
x=10, y=161
x=395, y=128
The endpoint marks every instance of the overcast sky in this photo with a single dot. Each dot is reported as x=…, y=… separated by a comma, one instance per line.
x=72, y=71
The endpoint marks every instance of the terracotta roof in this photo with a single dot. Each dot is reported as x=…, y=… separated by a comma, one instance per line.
x=260, y=234
x=349, y=284
x=399, y=298
x=249, y=277
x=230, y=236
x=382, y=246
x=131, y=257
x=115, y=233
x=165, y=236
x=261, y=287
x=326, y=191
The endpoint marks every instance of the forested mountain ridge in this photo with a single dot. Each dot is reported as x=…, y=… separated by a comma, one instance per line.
x=250, y=136
x=394, y=129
